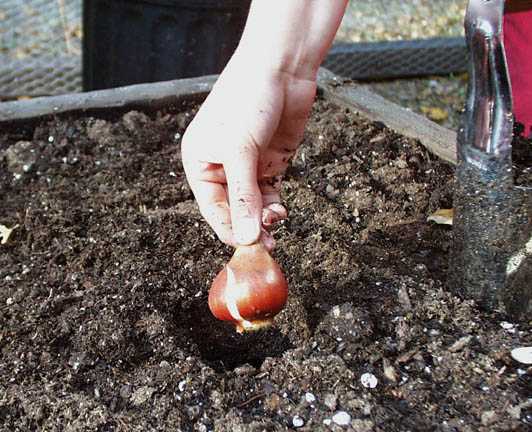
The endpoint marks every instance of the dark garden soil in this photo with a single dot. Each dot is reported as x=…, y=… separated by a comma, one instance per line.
x=104, y=323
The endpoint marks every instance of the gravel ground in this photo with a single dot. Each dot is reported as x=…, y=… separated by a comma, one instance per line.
x=35, y=28
x=378, y=20
x=439, y=98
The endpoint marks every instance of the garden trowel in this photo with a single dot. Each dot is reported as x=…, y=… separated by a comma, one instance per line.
x=492, y=257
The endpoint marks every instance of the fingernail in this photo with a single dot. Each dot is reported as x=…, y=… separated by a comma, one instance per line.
x=246, y=230
x=279, y=209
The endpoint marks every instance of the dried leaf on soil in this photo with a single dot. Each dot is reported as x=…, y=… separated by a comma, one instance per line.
x=442, y=217
x=435, y=113
x=5, y=233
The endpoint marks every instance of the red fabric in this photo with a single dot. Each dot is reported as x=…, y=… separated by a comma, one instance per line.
x=517, y=33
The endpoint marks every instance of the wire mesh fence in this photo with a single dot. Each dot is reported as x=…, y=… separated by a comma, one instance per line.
x=40, y=47
x=41, y=41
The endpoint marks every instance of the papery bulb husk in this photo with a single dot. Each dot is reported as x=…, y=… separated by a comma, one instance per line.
x=250, y=290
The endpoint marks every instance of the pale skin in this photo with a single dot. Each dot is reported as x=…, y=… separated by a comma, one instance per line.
x=240, y=143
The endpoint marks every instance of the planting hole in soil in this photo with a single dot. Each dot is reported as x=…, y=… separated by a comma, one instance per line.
x=103, y=301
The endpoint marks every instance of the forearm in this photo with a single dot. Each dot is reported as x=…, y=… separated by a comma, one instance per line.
x=289, y=36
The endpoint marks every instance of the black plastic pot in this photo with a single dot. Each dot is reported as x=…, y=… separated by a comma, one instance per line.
x=140, y=41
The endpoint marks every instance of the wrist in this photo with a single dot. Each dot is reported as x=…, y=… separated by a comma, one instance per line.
x=291, y=38
x=267, y=60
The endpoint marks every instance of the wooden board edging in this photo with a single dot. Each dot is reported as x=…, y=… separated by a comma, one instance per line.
x=439, y=140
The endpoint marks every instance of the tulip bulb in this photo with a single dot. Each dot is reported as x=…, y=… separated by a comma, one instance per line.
x=250, y=290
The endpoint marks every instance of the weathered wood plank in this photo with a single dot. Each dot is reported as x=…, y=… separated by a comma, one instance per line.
x=149, y=96
x=438, y=139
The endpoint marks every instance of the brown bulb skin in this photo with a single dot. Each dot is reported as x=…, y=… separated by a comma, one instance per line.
x=250, y=290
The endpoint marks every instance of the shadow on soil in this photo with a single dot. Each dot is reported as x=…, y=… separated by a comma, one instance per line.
x=222, y=348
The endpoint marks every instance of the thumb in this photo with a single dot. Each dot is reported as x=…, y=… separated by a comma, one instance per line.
x=245, y=199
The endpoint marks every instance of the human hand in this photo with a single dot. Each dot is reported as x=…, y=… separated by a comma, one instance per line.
x=238, y=147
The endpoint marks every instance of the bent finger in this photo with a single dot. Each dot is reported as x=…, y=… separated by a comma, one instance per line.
x=273, y=213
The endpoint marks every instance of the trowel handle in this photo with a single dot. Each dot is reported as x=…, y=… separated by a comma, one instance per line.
x=489, y=121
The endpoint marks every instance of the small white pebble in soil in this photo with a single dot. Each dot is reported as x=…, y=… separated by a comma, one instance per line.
x=522, y=355
x=310, y=398
x=341, y=418
x=298, y=421
x=327, y=422
x=506, y=325
x=369, y=380
x=172, y=174
x=181, y=385
x=50, y=139
x=9, y=301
